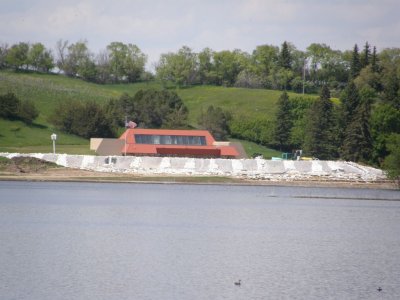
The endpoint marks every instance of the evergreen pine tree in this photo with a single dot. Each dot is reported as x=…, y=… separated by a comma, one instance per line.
x=365, y=59
x=374, y=61
x=284, y=123
x=357, y=143
x=285, y=59
x=350, y=101
x=321, y=136
x=355, y=64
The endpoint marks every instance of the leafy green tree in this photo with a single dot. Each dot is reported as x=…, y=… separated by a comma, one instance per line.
x=17, y=56
x=206, y=70
x=368, y=79
x=299, y=108
x=103, y=68
x=216, y=121
x=126, y=62
x=392, y=162
x=283, y=78
x=61, y=53
x=327, y=66
x=385, y=120
x=321, y=135
x=284, y=123
x=76, y=60
x=265, y=59
x=39, y=58
x=227, y=67
x=180, y=68
x=3, y=55
x=248, y=79
x=391, y=87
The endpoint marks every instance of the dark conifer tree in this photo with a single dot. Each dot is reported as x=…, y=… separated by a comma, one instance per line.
x=285, y=59
x=374, y=60
x=357, y=143
x=350, y=101
x=284, y=123
x=355, y=64
x=321, y=136
x=365, y=59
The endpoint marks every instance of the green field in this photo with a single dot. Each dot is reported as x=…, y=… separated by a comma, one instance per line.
x=47, y=90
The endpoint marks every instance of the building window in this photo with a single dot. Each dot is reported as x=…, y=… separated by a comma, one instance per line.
x=154, y=139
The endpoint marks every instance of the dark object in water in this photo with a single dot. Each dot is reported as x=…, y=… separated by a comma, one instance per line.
x=379, y=289
x=238, y=282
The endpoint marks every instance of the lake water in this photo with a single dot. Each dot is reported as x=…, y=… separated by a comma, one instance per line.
x=163, y=241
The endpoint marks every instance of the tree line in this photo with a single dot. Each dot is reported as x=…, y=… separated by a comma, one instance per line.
x=119, y=62
x=268, y=66
x=364, y=126
x=355, y=128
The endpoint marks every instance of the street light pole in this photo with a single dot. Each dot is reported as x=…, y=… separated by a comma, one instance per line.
x=53, y=138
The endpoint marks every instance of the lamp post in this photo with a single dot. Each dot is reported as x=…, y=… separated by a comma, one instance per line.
x=53, y=138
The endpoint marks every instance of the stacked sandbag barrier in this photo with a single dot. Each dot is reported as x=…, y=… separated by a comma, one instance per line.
x=247, y=168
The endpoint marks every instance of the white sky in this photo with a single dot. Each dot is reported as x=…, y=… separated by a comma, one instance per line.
x=161, y=26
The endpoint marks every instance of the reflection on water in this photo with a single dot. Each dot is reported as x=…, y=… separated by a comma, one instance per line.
x=146, y=241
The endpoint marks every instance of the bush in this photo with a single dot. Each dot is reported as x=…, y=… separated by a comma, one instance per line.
x=215, y=120
x=28, y=112
x=258, y=130
x=9, y=106
x=86, y=119
x=392, y=162
x=12, y=108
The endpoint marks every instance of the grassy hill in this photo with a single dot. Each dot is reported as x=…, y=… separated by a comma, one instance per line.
x=47, y=90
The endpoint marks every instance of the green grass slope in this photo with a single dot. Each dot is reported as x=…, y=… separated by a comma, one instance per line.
x=241, y=102
x=47, y=90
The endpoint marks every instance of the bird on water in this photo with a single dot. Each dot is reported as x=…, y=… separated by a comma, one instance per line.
x=238, y=282
x=379, y=289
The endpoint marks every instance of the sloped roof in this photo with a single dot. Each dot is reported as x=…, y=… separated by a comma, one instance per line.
x=181, y=150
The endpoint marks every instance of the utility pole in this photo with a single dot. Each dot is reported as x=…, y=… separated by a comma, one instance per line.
x=304, y=73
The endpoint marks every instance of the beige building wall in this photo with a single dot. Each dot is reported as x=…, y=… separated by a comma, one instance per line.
x=106, y=146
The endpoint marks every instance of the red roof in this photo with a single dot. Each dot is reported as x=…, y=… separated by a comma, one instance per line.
x=208, y=150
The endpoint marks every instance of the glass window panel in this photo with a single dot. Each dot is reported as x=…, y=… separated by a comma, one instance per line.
x=170, y=139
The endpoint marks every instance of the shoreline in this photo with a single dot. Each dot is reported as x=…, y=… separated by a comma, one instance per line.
x=77, y=175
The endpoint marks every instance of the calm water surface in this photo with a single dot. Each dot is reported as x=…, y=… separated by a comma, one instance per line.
x=159, y=241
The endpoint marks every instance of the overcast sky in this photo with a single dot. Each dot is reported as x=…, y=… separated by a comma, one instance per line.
x=161, y=26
